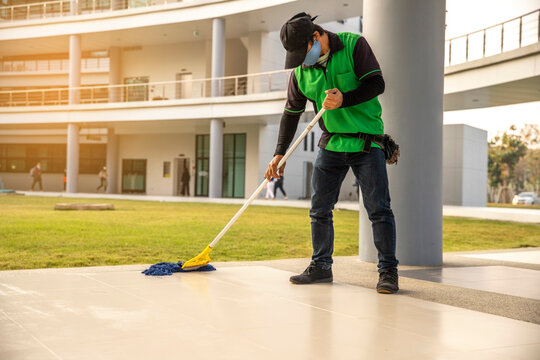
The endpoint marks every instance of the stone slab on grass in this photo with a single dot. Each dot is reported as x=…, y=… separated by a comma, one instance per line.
x=79, y=206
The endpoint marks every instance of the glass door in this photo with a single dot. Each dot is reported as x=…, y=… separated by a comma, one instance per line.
x=134, y=175
x=202, y=161
x=234, y=165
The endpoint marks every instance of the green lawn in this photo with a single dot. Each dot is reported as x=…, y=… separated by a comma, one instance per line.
x=33, y=235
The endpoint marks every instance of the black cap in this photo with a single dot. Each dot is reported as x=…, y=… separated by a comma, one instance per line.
x=295, y=35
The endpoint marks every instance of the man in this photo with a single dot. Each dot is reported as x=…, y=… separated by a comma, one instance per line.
x=340, y=73
x=35, y=172
x=103, y=176
x=185, y=182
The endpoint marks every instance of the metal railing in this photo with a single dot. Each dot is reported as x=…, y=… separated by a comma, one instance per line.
x=40, y=10
x=509, y=35
x=156, y=91
x=88, y=64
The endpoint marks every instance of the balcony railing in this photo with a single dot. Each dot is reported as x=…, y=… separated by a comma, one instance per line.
x=54, y=65
x=49, y=9
x=496, y=39
x=157, y=91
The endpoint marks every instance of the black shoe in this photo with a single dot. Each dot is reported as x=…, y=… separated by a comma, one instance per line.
x=388, y=282
x=313, y=274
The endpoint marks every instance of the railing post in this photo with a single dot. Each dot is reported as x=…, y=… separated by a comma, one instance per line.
x=44, y=9
x=467, y=48
x=520, y=29
x=502, y=38
x=43, y=97
x=93, y=6
x=484, y=45
x=236, y=85
x=449, y=52
x=28, y=12
x=62, y=8
x=10, y=98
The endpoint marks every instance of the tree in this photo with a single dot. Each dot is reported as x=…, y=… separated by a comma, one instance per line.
x=503, y=156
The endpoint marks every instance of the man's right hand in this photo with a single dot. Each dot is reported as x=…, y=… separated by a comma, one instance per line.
x=272, y=170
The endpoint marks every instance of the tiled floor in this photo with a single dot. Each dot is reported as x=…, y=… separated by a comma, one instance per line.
x=499, y=279
x=528, y=257
x=236, y=313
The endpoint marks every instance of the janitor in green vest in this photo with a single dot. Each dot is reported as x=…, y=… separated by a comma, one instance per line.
x=340, y=73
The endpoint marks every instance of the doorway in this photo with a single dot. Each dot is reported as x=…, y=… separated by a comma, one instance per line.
x=184, y=88
x=182, y=176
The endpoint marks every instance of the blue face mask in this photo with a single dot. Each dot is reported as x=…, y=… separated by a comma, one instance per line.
x=313, y=54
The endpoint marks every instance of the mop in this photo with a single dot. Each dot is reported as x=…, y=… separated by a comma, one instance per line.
x=200, y=262
x=167, y=268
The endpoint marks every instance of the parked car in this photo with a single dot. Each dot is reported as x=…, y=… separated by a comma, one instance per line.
x=526, y=198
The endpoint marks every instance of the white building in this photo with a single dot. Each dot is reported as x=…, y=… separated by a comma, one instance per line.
x=142, y=99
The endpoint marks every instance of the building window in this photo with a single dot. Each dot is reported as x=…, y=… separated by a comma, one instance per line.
x=202, y=161
x=234, y=165
x=92, y=158
x=20, y=158
x=134, y=175
x=136, y=92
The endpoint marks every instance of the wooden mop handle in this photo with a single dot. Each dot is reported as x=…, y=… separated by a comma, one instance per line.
x=263, y=184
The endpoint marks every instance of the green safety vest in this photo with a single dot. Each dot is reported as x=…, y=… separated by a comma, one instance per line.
x=364, y=117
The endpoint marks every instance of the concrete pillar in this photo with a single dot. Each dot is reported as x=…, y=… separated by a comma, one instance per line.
x=216, y=125
x=115, y=73
x=254, y=61
x=74, y=69
x=218, y=55
x=112, y=161
x=407, y=38
x=74, y=7
x=72, y=158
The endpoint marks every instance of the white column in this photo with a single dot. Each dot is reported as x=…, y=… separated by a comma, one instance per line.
x=74, y=68
x=74, y=7
x=112, y=161
x=216, y=125
x=407, y=38
x=115, y=73
x=72, y=158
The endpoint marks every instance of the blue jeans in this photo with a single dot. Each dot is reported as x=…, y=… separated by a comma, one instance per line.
x=328, y=174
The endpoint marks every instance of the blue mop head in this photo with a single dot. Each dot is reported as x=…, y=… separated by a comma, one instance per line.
x=167, y=268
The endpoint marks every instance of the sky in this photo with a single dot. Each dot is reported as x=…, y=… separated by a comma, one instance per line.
x=466, y=16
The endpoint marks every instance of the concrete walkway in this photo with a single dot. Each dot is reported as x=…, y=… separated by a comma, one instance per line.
x=489, y=213
x=249, y=310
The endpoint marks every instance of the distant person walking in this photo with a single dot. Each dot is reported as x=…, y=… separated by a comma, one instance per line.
x=65, y=179
x=270, y=189
x=103, y=176
x=185, y=182
x=35, y=172
x=279, y=185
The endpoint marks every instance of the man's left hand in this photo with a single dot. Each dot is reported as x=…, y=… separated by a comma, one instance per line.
x=333, y=100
